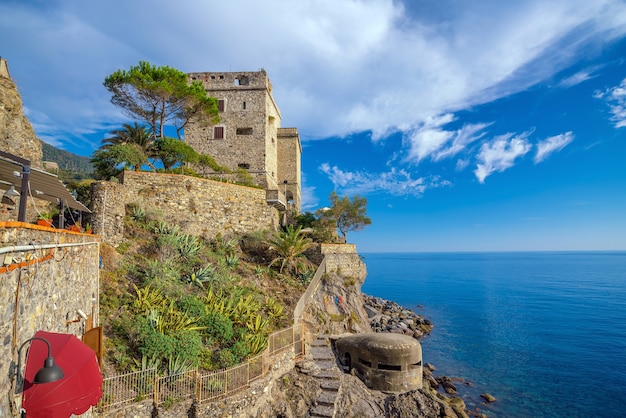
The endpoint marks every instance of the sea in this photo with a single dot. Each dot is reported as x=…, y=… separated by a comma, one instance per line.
x=543, y=332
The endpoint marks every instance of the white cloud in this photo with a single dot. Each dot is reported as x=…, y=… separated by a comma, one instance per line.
x=579, y=77
x=500, y=154
x=394, y=182
x=309, y=199
x=552, y=144
x=616, y=100
x=431, y=140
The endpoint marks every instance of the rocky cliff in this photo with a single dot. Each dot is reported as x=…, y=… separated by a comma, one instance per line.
x=16, y=133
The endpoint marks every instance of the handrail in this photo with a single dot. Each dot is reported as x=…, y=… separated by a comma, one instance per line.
x=315, y=282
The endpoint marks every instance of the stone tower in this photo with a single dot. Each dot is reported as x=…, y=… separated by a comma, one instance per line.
x=249, y=135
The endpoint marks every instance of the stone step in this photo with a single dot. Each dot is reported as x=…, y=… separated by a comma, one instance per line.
x=327, y=374
x=320, y=342
x=322, y=353
x=322, y=411
x=330, y=385
x=326, y=365
x=327, y=398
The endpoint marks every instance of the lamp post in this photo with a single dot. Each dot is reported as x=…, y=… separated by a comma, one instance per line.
x=49, y=373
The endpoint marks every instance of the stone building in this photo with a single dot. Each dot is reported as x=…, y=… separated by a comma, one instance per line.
x=249, y=135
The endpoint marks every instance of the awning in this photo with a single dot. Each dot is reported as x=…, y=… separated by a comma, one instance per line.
x=43, y=185
x=76, y=392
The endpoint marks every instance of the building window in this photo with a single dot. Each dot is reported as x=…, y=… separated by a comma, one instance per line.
x=242, y=80
x=244, y=131
x=221, y=105
x=245, y=166
x=244, y=105
x=218, y=132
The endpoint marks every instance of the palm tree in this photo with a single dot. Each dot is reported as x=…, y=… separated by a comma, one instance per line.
x=134, y=134
x=290, y=246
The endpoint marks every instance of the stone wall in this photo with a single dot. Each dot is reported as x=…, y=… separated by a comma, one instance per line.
x=289, y=165
x=47, y=275
x=344, y=260
x=198, y=206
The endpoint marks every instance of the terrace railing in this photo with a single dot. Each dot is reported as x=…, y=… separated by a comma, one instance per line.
x=203, y=387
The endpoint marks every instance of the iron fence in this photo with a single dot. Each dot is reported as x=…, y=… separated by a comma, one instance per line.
x=128, y=387
x=136, y=386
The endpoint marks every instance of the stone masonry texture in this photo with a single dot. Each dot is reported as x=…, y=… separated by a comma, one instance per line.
x=45, y=292
x=198, y=206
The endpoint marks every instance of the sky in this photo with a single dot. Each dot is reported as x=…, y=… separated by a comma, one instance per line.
x=482, y=125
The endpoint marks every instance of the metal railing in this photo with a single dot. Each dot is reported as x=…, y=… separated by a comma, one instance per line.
x=128, y=387
x=137, y=386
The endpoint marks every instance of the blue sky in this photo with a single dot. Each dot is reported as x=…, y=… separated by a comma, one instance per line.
x=468, y=126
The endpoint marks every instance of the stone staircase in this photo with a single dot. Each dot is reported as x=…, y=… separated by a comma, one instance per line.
x=329, y=376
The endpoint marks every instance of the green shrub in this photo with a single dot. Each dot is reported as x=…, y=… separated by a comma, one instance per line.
x=226, y=358
x=218, y=327
x=154, y=344
x=188, y=345
x=240, y=351
x=192, y=305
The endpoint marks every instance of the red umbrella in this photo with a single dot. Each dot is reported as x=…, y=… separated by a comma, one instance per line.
x=76, y=392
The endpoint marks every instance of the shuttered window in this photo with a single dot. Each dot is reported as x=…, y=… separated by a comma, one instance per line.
x=221, y=105
x=218, y=132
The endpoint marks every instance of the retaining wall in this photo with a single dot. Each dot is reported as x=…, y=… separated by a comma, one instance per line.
x=42, y=288
x=198, y=206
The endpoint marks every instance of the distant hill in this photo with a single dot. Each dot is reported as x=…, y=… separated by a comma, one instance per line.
x=71, y=166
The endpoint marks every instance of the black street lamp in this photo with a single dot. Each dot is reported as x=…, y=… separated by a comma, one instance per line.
x=50, y=372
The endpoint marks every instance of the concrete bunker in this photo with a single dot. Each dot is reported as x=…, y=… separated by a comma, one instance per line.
x=383, y=361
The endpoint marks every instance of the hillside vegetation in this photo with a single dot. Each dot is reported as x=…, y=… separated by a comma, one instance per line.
x=178, y=301
x=71, y=166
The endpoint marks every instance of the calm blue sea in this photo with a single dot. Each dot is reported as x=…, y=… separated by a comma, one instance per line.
x=544, y=332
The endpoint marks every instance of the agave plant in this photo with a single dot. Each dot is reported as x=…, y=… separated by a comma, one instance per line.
x=163, y=228
x=139, y=214
x=178, y=364
x=256, y=343
x=231, y=260
x=146, y=363
x=290, y=247
x=202, y=275
x=169, y=319
x=274, y=309
x=244, y=309
x=148, y=299
x=257, y=324
x=188, y=245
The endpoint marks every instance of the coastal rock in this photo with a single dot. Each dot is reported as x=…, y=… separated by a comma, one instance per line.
x=430, y=367
x=388, y=316
x=488, y=397
x=447, y=385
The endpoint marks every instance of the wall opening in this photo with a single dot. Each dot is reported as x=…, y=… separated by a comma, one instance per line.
x=389, y=367
x=244, y=131
x=242, y=80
